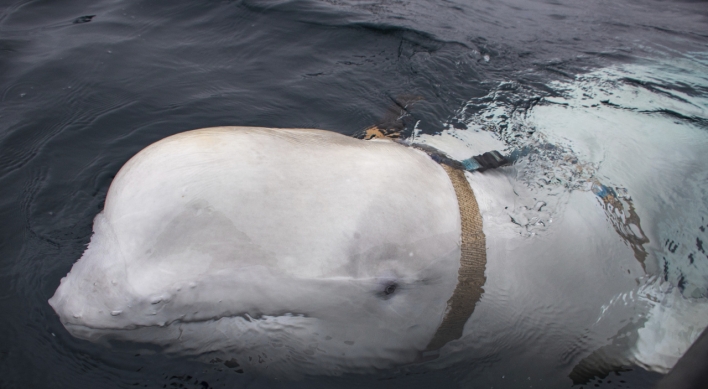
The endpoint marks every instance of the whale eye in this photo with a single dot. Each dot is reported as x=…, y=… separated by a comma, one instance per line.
x=390, y=288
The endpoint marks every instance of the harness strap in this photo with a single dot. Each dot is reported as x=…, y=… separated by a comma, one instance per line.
x=473, y=261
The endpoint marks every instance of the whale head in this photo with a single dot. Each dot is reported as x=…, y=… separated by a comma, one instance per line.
x=303, y=250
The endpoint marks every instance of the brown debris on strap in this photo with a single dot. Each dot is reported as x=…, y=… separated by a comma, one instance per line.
x=375, y=132
x=473, y=261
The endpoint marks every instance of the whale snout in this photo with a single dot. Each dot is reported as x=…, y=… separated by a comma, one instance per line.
x=88, y=302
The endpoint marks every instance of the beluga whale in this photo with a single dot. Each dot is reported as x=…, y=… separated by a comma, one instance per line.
x=306, y=249
x=306, y=252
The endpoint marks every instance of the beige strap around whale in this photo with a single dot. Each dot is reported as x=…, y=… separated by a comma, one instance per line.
x=473, y=258
x=473, y=261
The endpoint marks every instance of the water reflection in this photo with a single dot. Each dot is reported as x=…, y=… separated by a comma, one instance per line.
x=626, y=223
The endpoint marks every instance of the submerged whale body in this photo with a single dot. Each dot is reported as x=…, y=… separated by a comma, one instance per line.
x=308, y=252
x=331, y=252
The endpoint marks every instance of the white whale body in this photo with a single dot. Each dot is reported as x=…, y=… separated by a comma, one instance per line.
x=229, y=239
x=308, y=252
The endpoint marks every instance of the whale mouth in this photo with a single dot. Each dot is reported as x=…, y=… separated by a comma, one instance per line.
x=102, y=334
x=248, y=317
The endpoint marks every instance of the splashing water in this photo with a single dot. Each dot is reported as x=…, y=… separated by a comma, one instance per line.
x=634, y=136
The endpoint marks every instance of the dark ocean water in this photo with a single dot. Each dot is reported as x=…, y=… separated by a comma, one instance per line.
x=87, y=84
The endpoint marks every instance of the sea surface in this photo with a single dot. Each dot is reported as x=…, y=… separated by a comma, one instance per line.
x=617, y=87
